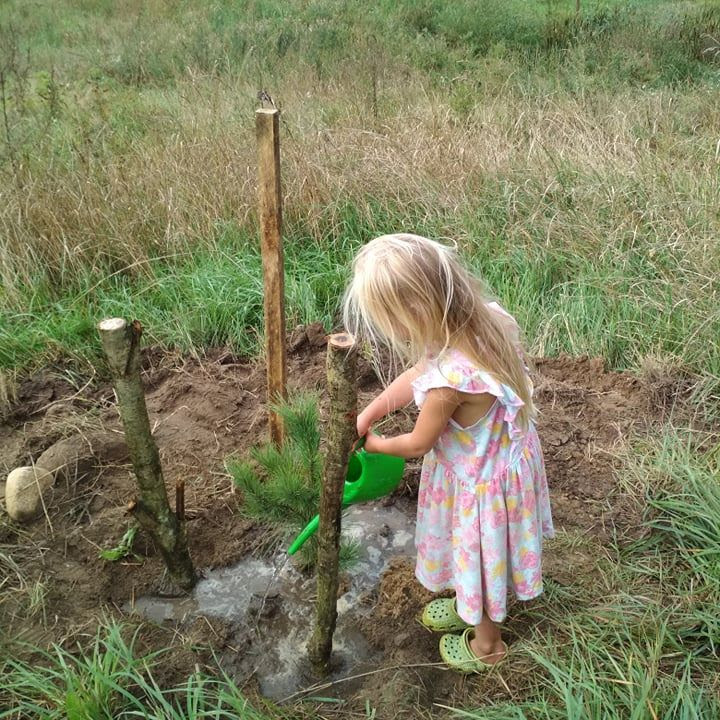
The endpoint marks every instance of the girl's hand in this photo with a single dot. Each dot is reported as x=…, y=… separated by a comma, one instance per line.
x=374, y=443
x=364, y=422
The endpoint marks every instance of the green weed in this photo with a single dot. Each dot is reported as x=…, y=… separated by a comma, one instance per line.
x=122, y=549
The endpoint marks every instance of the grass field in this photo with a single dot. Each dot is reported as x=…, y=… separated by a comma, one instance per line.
x=574, y=157
x=574, y=160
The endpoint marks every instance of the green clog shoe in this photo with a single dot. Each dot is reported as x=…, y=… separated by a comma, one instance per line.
x=456, y=652
x=441, y=616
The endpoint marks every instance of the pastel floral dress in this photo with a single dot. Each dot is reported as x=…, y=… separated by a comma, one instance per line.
x=483, y=504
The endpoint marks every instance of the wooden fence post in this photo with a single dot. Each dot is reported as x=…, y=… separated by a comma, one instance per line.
x=341, y=434
x=121, y=343
x=270, y=210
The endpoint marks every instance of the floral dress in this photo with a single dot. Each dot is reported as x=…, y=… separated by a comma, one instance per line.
x=483, y=504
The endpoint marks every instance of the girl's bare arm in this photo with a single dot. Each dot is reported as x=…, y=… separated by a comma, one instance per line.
x=396, y=395
x=438, y=408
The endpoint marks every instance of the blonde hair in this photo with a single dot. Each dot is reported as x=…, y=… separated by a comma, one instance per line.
x=413, y=295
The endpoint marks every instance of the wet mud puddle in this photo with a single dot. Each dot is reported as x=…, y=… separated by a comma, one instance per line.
x=270, y=604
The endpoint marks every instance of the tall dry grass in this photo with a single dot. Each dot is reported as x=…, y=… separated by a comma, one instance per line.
x=595, y=172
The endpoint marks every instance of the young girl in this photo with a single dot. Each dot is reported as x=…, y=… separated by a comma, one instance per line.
x=483, y=505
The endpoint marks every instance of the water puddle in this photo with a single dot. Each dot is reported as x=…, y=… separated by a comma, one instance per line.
x=271, y=604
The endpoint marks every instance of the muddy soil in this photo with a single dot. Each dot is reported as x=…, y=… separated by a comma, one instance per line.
x=203, y=410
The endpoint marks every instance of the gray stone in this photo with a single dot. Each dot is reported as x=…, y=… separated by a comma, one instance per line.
x=24, y=492
x=77, y=457
x=68, y=459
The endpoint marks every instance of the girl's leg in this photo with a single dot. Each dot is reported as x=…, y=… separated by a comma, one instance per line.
x=487, y=643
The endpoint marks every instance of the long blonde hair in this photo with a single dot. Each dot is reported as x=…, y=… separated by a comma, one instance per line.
x=413, y=295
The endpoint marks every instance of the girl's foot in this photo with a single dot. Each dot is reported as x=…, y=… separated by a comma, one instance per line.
x=441, y=616
x=458, y=652
x=490, y=655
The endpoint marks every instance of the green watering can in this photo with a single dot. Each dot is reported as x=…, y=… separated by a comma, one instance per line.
x=369, y=476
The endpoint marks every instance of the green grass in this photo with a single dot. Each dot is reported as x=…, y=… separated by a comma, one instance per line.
x=624, y=304
x=154, y=43
x=111, y=680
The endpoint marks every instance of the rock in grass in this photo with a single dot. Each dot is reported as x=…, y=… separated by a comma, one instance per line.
x=24, y=492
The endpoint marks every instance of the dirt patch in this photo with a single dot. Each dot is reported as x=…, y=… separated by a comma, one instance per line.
x=201, y=410
x=204, y=409
x=399, y=597
x=36, y=395
x=586, y=413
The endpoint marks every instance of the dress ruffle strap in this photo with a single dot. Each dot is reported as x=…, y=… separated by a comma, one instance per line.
x=454, y=370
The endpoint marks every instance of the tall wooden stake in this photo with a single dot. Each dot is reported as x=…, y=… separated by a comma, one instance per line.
x=341, y=434
x=121, y=343
x=270, y=205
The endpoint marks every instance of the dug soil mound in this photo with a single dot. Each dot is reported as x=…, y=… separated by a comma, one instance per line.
x=203, y=410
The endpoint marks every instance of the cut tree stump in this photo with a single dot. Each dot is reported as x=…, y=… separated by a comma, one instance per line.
x=121, y=343
x=341, y=435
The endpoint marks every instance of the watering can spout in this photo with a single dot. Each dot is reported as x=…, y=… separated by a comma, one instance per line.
x=310, y=528
x=369, y=476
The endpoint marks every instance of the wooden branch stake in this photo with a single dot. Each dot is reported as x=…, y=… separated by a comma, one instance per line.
x=121, y=343
x=270, y=210
x=180, y=500
x=341, y=434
